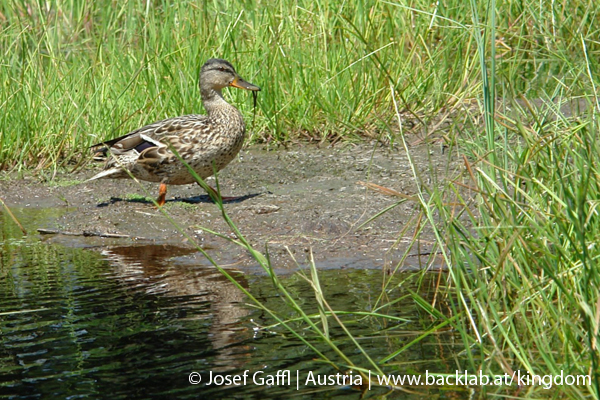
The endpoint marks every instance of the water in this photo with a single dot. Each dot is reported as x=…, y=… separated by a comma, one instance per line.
x=133, y=321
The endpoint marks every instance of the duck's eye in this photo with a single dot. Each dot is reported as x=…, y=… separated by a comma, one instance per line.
x=222, y=69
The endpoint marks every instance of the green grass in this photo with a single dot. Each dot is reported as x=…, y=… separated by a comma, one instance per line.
x=518, y=226
x=75, y=73
x=522, y=247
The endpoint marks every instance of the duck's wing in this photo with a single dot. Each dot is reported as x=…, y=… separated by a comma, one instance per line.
x=150, y=141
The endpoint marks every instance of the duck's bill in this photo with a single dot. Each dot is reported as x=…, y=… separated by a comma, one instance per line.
x=242, y=84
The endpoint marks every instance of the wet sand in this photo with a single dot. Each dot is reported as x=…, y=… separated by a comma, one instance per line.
x=304, y=198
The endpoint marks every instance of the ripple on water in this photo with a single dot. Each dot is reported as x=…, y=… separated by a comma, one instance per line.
x=133, y=322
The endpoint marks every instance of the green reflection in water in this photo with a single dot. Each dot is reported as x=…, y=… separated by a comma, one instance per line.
x=132, y=322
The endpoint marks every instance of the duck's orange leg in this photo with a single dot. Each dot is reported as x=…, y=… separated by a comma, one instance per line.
x=162, y=195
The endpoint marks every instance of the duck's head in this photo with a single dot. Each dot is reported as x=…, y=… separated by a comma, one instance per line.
x=217, y=74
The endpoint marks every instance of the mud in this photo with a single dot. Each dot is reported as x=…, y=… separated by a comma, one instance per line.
x=304, y=198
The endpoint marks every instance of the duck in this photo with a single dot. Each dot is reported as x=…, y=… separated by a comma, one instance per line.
x=207, y=143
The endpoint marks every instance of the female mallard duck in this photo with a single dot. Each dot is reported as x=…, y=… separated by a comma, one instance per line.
x=206, y=142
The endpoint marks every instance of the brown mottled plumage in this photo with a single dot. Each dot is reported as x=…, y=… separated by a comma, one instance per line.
x=201, y=140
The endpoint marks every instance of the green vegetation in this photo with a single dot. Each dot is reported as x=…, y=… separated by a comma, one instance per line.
x=75, y=73
x=518, y=229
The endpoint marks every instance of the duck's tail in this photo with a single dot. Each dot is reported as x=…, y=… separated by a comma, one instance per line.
x=113, y=172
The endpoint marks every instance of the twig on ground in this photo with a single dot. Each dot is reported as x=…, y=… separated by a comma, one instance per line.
x=89, y=233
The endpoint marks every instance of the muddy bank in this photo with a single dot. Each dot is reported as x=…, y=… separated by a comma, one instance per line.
x=300, y=198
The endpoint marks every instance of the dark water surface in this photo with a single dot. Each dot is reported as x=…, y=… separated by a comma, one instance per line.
x=132, y=321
